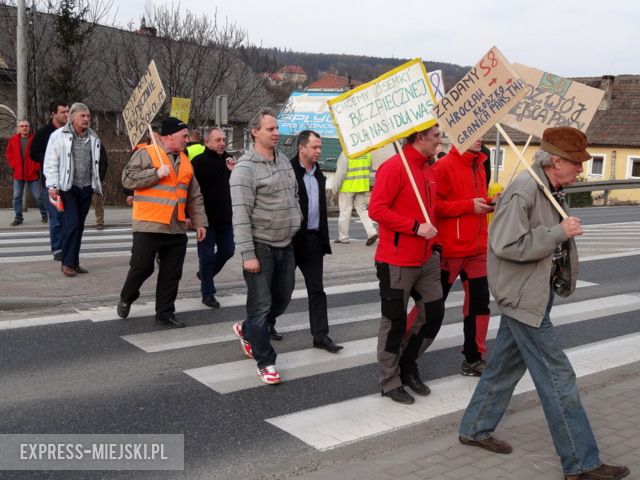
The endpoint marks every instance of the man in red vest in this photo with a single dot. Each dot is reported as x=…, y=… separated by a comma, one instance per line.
x=25, y=171
x=165, y=189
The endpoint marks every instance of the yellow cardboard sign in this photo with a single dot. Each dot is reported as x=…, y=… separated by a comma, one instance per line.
x=552, y=101
x=145, y=102
x=474, y=104
x=180, y=108
x=390, y=107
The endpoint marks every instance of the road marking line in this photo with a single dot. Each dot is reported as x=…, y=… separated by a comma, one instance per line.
x=338, y=424
x=240, y=375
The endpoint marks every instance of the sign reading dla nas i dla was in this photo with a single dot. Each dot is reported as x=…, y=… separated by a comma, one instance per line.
x=388, y=108
x=474, y=104
x=552, y=101
x=145, y=102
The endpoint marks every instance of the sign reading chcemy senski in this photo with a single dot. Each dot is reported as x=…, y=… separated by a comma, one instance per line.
x=388, y=108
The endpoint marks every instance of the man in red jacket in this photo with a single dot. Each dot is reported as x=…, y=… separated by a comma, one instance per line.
x=25, y=170
x=407, y=264
x=461, y=212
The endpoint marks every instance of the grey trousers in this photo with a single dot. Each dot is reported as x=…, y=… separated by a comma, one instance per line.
x=399, y=349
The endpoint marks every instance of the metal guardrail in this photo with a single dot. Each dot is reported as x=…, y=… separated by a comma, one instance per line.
x=604, y=185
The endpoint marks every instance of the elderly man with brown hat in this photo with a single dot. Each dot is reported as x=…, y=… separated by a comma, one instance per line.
x=532, y=257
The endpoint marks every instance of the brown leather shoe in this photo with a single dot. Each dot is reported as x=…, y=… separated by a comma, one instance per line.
x=491, y=444
x=603, y=472
x=79, y=269
x=68, y=271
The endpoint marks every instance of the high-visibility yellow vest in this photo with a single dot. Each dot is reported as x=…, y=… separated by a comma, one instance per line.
x=157, y=203
x=194, y=150
x=357, y=178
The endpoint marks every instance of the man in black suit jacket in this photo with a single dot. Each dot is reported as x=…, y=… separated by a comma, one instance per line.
x=311, y=242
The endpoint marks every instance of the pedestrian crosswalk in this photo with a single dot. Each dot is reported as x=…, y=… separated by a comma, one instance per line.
x=33, y=245
x=334, y=422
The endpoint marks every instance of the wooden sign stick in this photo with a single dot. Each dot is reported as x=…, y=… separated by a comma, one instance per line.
x=155, y=144
x=413, y=182
x=533, y=174
x=526, y=145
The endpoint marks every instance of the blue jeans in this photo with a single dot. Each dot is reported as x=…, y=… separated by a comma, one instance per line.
x=213, y=252
x=18, y=191
x=77, y=202
x=55, y=225
x=268, y=295
x=519, y=347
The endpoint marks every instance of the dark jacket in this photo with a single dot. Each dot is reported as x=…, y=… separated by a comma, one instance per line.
x=40, y=141
x=213, y=176
x=299, y=240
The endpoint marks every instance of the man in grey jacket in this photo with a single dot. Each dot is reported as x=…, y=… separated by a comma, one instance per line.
x=532, y=256
x=266, y=216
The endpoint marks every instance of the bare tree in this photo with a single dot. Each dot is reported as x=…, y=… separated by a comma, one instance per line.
x=197, y=57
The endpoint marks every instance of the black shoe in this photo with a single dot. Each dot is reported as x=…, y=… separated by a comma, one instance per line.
x=274, y=334
x=57, y=256
x=16, y=222
x=45, y=219
x=371, y=240
x=210, y=301
x=170, y=320
x=415, y=383
x=327, y=344
x=123, y=309
x=399, y=395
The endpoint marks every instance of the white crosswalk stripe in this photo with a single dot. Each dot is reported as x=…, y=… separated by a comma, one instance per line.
x=339, y=424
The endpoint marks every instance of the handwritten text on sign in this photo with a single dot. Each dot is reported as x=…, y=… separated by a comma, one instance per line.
x=145, y=102
x=390, y=107
x=552, y=101
x=480, y=99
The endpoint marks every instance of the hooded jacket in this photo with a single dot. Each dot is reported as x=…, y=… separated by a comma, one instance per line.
x=523, y=236
x=396, y=209
x=264, y=200
x=461, y=177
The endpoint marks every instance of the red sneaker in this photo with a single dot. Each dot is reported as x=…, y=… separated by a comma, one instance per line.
x=246, y=346
x=269, y=374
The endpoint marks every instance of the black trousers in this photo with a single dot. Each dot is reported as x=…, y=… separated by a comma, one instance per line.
x=171, y=250
x=312, y=268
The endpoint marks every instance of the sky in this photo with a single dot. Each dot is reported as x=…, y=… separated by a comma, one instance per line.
x=565, y=37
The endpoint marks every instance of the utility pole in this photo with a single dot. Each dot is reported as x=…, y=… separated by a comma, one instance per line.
x=21, y=61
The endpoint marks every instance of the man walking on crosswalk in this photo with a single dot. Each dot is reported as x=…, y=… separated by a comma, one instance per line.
x=407, y=265
x=532, y=257
x=266, y=216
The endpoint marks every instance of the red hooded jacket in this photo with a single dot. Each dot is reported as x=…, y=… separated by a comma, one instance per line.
x=26, y=170
x=396, y=209
x=460, y=179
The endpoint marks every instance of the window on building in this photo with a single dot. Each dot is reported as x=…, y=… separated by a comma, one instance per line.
x=634, y=167
x=500, y=159
x=596, y=166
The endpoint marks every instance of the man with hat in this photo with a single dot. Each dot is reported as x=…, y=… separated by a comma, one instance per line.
x=532, y=257
x=165, y=190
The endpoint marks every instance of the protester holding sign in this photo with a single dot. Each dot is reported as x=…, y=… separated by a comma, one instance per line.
x=165, y=190
x=532, y=257
x=407, y=263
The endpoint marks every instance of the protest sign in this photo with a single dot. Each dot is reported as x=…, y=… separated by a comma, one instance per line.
x=552, y=101
x=388, y=108
x=474, y=104
x=180, y=108
x=437, y=84
x=307, y=111
x=145, y=102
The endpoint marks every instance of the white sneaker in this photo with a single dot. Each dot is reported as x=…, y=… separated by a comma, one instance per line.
x=269, y=374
